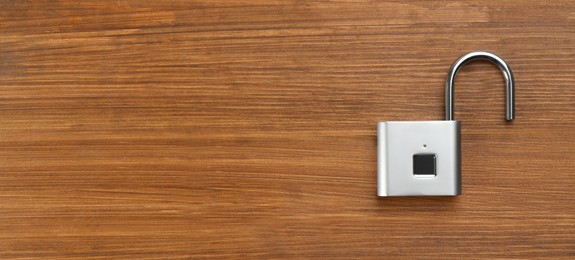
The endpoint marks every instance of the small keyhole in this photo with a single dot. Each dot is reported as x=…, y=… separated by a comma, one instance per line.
x=424, y=146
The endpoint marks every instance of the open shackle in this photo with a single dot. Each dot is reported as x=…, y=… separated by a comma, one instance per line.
x=480, y=55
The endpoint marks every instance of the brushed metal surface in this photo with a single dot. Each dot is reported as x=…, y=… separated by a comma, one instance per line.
x=399, y=141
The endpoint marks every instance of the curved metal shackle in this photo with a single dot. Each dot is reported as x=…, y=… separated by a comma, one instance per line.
x=480, y=55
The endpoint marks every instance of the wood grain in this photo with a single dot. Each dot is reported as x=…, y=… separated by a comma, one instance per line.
x=246, y=129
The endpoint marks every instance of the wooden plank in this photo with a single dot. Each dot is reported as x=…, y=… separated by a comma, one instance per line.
x=246, y=129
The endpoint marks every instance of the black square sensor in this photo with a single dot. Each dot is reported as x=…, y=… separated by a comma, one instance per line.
x=424, y=164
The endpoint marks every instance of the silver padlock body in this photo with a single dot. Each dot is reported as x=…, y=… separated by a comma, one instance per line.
x=404, y=146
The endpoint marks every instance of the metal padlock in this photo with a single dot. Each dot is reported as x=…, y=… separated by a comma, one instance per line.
x=423, y=158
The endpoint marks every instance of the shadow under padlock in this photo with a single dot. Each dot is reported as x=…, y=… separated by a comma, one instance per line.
x=423, y=158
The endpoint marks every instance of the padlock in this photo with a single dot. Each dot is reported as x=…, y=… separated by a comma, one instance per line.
x=423, y=158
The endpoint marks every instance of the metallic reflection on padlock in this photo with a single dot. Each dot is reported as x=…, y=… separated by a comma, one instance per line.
x=423, y=158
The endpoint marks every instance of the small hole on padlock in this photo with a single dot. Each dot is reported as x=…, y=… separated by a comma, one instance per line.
x=424, y=146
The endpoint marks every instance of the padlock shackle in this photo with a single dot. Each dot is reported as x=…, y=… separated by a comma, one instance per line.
x=481, y=55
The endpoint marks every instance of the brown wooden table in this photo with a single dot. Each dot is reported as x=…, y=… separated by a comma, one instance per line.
x=246, y=129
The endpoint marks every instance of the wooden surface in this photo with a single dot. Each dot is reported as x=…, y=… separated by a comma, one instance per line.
x=246, y=129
